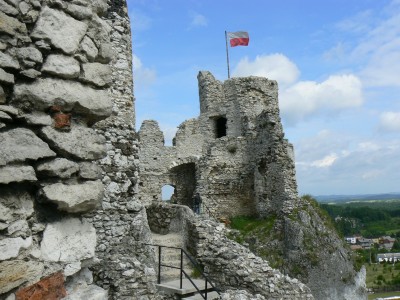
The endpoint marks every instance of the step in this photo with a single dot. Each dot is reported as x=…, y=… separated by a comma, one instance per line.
x=173, y=287
x=210, y=296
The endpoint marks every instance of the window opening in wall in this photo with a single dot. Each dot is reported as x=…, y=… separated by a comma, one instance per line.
x=220, y=126
x=167, y=193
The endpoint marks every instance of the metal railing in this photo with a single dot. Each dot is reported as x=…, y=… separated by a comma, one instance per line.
x=183, y=272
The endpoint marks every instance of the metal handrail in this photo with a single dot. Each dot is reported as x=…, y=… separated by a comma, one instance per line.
x=182, y=271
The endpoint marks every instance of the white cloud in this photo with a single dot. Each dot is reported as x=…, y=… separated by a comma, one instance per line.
x=142, y=76
x=327, y=161
x=390, y=121
x=307, y=98
x=275, y=66
x=198, y=20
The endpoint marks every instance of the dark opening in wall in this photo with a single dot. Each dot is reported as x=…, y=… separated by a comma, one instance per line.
x=220, y=127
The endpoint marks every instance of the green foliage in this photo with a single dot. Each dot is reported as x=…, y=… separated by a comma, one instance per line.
x=247, y=224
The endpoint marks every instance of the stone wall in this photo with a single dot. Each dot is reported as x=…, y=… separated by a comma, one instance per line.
x=69, y=153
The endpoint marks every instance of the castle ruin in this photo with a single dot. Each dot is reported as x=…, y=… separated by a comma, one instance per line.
x=78, y=185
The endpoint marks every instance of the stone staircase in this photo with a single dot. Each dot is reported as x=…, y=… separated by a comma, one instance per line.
x=170, y=277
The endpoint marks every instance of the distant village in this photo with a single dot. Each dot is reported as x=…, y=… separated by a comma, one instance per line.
x=383, y=243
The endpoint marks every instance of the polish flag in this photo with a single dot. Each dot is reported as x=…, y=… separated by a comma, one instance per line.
x=238, y=38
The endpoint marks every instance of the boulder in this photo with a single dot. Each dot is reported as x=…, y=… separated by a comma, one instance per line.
x=8, y=9
x=7, y=61
x=59, y=167
x=30, y=73
x=68, y=240
x=79, y=12
x=30, y=56
x=75, y=198
x=80, y=142
x=61, y=66
x=20, y=144
x=89, y=48
x=61, y=30
x=16, y=272
x=5, y=117
x=9, y=110
x=10, y=247
x=97, y=73
x=92, y=292
x=2, y=96
x=6, y=78
x=17, y=174
x=11, y=26
x=73, y=96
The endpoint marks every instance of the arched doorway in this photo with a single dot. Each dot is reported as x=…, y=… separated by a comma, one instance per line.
x=168, y=193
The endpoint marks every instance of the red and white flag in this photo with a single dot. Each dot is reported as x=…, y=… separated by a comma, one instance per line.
x=238, y=38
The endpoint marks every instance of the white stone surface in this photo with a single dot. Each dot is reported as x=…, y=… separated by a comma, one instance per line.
x=62, y=66
x=80, y=142
x=75, y=198
x=68, y=240
x=17, y=174
x=11, y=25
x=15, y=205
x=10, y=247
x=96, y=73
x=20, y=144
x=59, y=167
x=37, y=118
x=63, y=31
x=7, y=61
x=89, y=48
x=75, y=97
x=6, y=77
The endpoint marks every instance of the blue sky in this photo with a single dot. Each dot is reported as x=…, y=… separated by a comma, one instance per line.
x=337, y=63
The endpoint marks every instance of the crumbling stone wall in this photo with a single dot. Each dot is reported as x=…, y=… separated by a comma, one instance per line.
x=68, y=151
x=243, y=164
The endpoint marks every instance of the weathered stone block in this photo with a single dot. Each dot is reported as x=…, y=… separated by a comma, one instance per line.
x=80, y=142
x=7, y=61
x=10, y=247
x=59, y=167
x=68, y=240
x=97, y=73
x=73, y=96
x=11, y=25
x=16, y=272
x=63, y=31
x=62, y=66
x=50, y=287
x=6, y=78
x=20, y=144
x=17, y=174
x=88, y=170
x=76, y=198
x=15, y=205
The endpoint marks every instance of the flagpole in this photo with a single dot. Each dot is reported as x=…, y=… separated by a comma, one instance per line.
x=227, y=54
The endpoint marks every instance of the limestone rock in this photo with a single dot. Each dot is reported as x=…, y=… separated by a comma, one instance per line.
x=50, y=287
x=8, y=9
x=75, y=198
x=62, y=66
x=37, y=118
x=63, y=31
x=89, y=48
x=11, y=26
x=73, y=96
x=92, y=292
x=9, y=110
x=59, y=167
x=88, y=170
x=18, y=228
x=78, y=11
x=7, y=61
x=106, y=53
x=99, y=6
x=24, y=7
x=30, y=56
x=17, y=174
x=15, y=205
x=10, y=247
x=80, y=142
x=30, y=73
x=68, y=240
x=20, y=144
x=5, y=117
x=2, y=96
x=6, y=77
x=97, y=74
x=16, y=272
